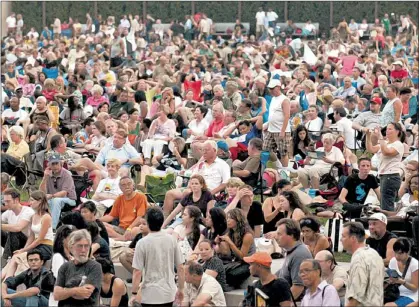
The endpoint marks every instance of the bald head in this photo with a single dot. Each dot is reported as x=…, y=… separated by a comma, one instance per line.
x=324, y=255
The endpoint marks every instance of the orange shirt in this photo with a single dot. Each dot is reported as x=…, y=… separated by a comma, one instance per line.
x=128, y=210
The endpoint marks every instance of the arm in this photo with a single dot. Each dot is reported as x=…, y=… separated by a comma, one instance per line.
x=244, y=173
x=389, y=252
x=342, y=196
x=136, y=279
x=387, y=151
x=22, y=224
x=258, y=231
x=202, y=299
x=378, y=193
x=172, y=215
x=220, y=188
x=243, y=252
x=268, y=214
x=45, y=225
x=397, y=111
x=61, y=293
x=296, y=290
x=118, y=291
x=286, y=111
x=107, y=218
x=352, y=303
x=25, y=293
x=371, y=148
x=233, y=203
x=323, y=244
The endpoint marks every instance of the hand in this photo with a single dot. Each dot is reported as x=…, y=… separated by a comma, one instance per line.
x=225, y=238
x=19, y=251
x=175, y=151
x=179, y=297
x=47, y=172
x=128, y=235
x=49, y=196
x=307, y=160
x=327, y=160
x=6, y=300
x=85, y=291
x=271, y=235
x=132, y=300
x=282, y=134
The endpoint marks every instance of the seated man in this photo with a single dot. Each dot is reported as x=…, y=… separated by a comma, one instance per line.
x=42, y=138
x=215, y=171
x=58, y=184
x=15, y=223
x=201, y=289
x=108, y=189
x=128, y=208
x=15, y=116
x=59, y=146
x=248, y=170
x=34, y=295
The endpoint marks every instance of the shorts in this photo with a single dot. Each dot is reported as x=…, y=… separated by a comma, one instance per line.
x=273, y=141
x=403, y=301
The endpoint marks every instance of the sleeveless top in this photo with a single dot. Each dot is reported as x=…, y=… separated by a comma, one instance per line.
x=271, y=226
x=387, y=116
x=124, y=298
x=116, y=47
x=36, y=229
x=32, y=116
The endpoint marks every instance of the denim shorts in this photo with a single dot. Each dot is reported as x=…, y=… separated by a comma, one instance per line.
x=403, y=301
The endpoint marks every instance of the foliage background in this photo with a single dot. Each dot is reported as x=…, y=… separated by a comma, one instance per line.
x=298, y=11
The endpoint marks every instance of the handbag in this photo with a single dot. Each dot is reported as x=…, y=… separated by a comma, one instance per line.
x=269, y=246
x=392, y=291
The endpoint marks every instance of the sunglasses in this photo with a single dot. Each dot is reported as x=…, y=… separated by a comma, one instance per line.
x=54, y=179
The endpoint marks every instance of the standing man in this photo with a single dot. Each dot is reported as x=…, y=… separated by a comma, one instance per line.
x=58, y=184
x=260, y=17
x=11, y=23
x=288, y=237
x=155, y=259
x=277, y=289
x=278, y=136
x=272, y=17
x=56, y=28
x=366, y=272
x=117, y=49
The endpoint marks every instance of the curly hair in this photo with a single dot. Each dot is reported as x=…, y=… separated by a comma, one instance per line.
x=242, y=227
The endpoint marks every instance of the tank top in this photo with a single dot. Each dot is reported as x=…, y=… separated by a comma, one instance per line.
x=124, y=298
x=36, y=229
x=381, y=245
x=32, y=116
x=387, y=116
x=271, y=226
x=116, y=47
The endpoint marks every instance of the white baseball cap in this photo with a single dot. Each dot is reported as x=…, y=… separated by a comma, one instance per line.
x=378, y=217
x=274, y=83
x=398, y=63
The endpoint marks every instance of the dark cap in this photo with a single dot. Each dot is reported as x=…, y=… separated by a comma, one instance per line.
x=54, y=158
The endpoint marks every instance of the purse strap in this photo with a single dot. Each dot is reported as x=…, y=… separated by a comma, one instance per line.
x=406, y=267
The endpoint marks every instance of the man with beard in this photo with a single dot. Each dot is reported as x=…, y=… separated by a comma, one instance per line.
x=380, y=238
x=79, y=280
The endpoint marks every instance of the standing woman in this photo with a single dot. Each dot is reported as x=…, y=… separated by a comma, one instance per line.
x=40, y=237
x=389, y=152
x=113, y=287
x=393, y=109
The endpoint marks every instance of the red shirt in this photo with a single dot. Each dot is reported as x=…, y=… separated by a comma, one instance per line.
x=214, y=127
x=401, y=74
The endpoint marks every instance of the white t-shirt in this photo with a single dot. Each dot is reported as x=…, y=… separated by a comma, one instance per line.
x=407, y=205
x=391, y=165
x=315, y=125
x=215, y=174
x=11, y=22
x=57, y=262
x=198, y=128
x=272, y=16
x=125, y=23
x=260, y=16
x=33, y=33
x=276, y=115
x=413, y=267
x=11, y=218
x=335, y=154
x=109, y=185
x=9, y=113
x=345, y=126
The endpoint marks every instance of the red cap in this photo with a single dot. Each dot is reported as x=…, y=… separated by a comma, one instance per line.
x=376, y=100
x=261, y=258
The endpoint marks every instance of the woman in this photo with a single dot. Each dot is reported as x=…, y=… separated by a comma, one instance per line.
x=88, y=211
x=272, y=210
x=403, y=264
x=122, y=116
x=188, y=232
x=134, y=125
x=199, y=197
x=41, y=78
x=310, y=95
x=301, y=142
x=291, y=206
x=18, y=148
x=258, y=107
x=103, y=107
x=49, y=90
x=97, y=97
x=40, y=235
x=61, y=253
x=312, y=238
x=41, y=109
x=161, y=132
x=234, y=246
x=232, y=187
x=100, y=247
x=211, y=264
x=216, y=225
x=96, y=141
x=389, y=153
x=113, y=287
x=393, y=109
x=71, y=117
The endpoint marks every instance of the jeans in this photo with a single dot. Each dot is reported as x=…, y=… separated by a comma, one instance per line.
x=390, y=185
x=55, y=206
x=32, y=301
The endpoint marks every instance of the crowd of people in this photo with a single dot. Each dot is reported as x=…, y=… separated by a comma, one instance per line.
x=261, y=137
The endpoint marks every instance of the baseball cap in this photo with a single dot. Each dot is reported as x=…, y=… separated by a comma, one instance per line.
x=222, y=145
x=378, y=217
x=261, y=258
x=274, y=83
x=376, y=100
x=54, y=158
x=398, y=63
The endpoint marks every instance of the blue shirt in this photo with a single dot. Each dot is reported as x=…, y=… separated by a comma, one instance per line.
x=127, y=151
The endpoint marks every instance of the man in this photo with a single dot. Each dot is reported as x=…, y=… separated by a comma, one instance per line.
x=79, y=280
x=119, y=149
x=58, y=146
x=371, y=119
x=248, y=170
x=296, y=116
x=398, y=72
x=347, y=90
x=260, y=17
x=14, y=115
x=108, y=189
x=344, y=126
x=380, y=238
x=34, y=295
x=272, y=17
x=122, y=104
x=318, y=293
x=24, y=102
x=11, y=23
x=219, y=96
x=15, y=223
x=162, y=69
x=358, y=186
x=155, y=258
x=277, y=289
x=288, y=237
x=128, y=208
x=332, y=273
x=215, y=171
x=328, y=78
x=204, y=27
x=278, y=136
x=201, y=289
x=357, y=80
x=243, y=111
x=58, y=184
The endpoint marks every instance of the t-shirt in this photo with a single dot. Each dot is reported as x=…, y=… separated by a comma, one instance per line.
x=278, y=291
x=202, y=203
x=339, y=272
x=70, y=276
x=413, y=267
x=11, y=218
x=20, y=114
x=216, y=264
x=251, y=164
x=358, y=189
x=255, y=216
x=109, y=185
x=380, y=245
x=214, y=127
x=388, y=164
x=400, y=74
x=345, y=126
x=128, y=210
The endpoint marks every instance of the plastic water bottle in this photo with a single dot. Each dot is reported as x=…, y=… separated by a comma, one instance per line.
x=83, y=281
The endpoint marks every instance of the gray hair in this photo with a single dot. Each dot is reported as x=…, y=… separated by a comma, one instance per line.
x=212, y=143
x=328, y=136
x=79, y=235
x=18, y=130
x=41, y=98
x=315, y=264
x=5, y=178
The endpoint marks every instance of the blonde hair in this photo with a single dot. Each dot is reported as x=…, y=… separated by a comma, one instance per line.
x=337, y=103
x=114, y=161
x=309, y=84
x=97, y=89
x=234, y=182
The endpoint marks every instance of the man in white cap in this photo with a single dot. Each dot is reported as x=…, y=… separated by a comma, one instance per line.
x=380, y=238
x=398, y=72
x=278, y=136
